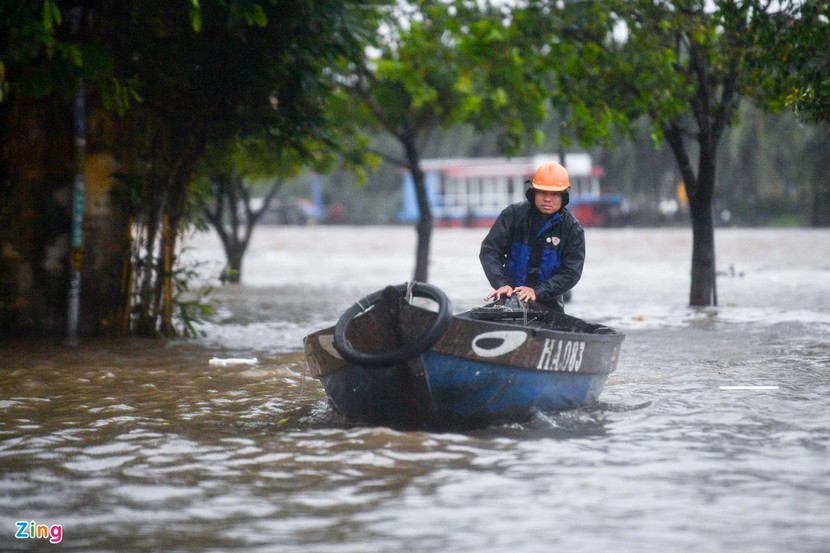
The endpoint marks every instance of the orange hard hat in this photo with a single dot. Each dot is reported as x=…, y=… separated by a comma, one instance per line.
x=551, y=177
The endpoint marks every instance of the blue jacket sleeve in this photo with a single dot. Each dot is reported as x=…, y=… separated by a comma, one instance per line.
x=495, y=247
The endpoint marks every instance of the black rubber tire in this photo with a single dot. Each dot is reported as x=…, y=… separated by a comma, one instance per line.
x=407, y=351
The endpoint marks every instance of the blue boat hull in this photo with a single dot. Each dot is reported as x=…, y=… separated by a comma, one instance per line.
x=470, y=392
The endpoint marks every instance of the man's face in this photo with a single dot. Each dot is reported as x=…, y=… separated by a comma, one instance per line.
x=548, y=202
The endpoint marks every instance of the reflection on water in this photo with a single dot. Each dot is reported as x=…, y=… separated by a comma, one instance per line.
x=145, y=446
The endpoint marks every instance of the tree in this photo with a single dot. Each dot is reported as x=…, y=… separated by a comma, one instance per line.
x=792, y=65
x=192, y=100
x=225, y=195
x=682, y=64
x=225, y=198
x=409, y=90
x=46, y=50
x=233, y=217
x=176, y=77
x=427, y=77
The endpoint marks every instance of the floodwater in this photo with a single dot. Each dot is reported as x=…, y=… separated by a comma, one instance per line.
x=146, y=446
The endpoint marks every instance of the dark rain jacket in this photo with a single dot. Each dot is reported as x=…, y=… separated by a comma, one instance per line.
x=526, y=248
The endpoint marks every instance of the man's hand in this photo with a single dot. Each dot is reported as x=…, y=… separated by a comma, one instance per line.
x=505, y=290
x=526, y=293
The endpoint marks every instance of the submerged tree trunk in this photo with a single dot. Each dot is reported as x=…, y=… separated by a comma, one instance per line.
x=231, y=194
x=700, y=190
x=703, y=289
x=424, y=225
x=820, y=216
x=235, y=254
x=820, y=189
x=713, y=103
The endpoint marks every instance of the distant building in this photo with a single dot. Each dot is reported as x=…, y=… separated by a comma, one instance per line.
x=473, y=191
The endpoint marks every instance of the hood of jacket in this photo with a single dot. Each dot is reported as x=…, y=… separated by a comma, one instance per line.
x=530, y=194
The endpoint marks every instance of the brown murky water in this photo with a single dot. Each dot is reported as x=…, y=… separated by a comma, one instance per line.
x=146, y=446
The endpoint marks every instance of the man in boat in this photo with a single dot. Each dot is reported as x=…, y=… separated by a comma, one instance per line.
x=536, y=249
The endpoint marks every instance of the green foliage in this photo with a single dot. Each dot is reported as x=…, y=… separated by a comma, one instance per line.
x=509, y=91
x=48, y=50
x=791, y=62
x=195, y=15
x=613, y=62
x=251, y=158
x=34, y=60
x=415, y=83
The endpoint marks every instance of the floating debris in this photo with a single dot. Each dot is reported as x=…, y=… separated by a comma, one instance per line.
x=232, y=361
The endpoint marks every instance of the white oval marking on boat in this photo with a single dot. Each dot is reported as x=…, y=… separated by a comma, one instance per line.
x=327, y=343
x=501, y=342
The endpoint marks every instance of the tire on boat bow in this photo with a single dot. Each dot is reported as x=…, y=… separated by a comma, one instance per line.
x=406, y=351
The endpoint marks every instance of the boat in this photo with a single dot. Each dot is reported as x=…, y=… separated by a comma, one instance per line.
x=393, y=359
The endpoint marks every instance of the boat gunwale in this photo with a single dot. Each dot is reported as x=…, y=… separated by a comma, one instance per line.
x=612, y=336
